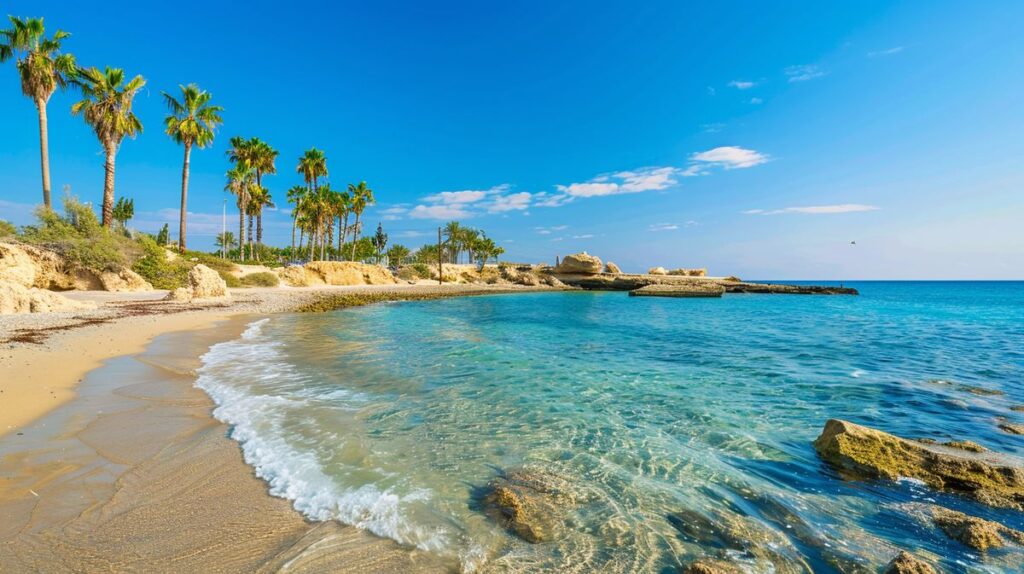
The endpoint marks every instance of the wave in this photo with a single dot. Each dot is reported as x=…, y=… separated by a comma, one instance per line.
x=258, y=423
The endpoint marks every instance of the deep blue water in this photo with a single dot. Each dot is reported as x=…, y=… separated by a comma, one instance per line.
x=394, y=417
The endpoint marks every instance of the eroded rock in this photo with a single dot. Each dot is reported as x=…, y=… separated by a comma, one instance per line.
x=580, y=263
x=712, y=566
x=702, y=272
x=123, y=279
x=657, y=271
x=529, y=503
x=907, y=563
x=990, y=478
x=692, y=289
x=977, y=533
x=203, y=283
x=741, y=535
x=610, y=267
x=16, y=298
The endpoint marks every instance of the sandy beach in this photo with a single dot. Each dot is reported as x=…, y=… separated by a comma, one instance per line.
x=111, y=460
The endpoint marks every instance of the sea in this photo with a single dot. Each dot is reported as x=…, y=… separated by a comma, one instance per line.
x=684, y=428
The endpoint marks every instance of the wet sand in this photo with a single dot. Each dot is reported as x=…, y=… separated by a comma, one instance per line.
x=134, y=475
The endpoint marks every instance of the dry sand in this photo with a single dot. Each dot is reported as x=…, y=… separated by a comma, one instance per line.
x=110, y=460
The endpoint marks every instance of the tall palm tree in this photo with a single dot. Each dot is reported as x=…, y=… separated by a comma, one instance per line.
x=344, y=205
x=43, y=69
x=469, y=239
x=107, y=107
x=259, y=199
x=191, y=122
x=312, y=166
x=362, y=197
x=240, y=184
x=453, y=239
x=295, y=195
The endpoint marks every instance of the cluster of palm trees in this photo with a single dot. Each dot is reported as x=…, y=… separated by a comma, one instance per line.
x=320, y=210
x=252, y=159
x=474, y=243
x=106, y=104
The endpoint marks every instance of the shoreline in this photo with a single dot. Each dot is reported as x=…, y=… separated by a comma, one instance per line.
x=111, y=459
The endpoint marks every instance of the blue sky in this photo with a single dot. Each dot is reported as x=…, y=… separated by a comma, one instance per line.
x=757, y=139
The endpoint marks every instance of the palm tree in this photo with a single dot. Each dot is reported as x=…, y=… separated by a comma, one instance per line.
x=468, y=239
x=239, y=184
x=312, y=166
x=258, y=199
x=453, y=237
x=43, y=69
x=295, y=195
x=362, y=197
x=191, y=122
x=396, y=254
x=107, y=107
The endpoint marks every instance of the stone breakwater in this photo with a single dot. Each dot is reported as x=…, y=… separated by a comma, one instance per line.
x=629, y=282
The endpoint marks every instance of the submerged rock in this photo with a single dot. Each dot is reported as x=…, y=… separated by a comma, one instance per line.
x=580, y=263
x=1017, y=408
x=740, y=534
x=990, y=478
x=978, y=533
x=692, y=289
x=529, y=503
x=981, y=391
x=1012, y=428
x=907, y=563
x=712, y=566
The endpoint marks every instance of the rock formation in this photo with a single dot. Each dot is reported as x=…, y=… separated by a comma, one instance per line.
x=739, y=535
x=529, y=503
x=977, y=533
x=203, y=283
x=693, y=289
x=990, y=478
x=580, y=264
x=907, y=563
x=612, y=268
x=657, y=271
x=16, y=298
x=712, y=566
x=703, y=272
x=335, y=273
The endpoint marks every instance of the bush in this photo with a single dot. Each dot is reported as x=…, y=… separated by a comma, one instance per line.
x=261, y=279
x=155, y=267
x=7, y=229
x=80, y=239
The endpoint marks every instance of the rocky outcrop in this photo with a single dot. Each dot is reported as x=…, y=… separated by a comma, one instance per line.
x=529, y=503
x=16, y=298
x=123, y=279
x=629, y=282
x=977, y=533
x=990, y=478
x=519, y=277
x=694, y=289
x=612, y=268
x=703, y=272
x=16, y=266
x=1011, y=428
x=737, y=535
x=335, y=273
x=712, y=566
x=580, y=263
x=203, y=283
x=30, y=266
x=657, y=271
x=907, y=563
x=298, y=276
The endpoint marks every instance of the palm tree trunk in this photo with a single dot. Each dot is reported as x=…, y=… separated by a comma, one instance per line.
x=251, y=251
x=241, y=234
x=44, y=151
x=184, y=198
x=293, y=237
x=259, y=234
x=355, y=237
x=344, y=233
x=108, y=185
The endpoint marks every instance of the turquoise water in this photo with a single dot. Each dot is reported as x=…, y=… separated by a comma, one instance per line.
x=662, y=413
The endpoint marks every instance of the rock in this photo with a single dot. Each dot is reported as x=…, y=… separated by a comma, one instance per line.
x=737, y=534
x=960, y=444
x=612, y=268
x=712, y=566
x=16, y=266
x=980, y=391
x=1017, y=408
x=123, y=279
x=529, y=503
x=299, y=276
x=46, y=269
x=517, y=277
x=907, y=563
x=977, y=533
x=990, y=478
x=203, y=283
x=694, y=289
x=551, y=281
x=1012, y=428
x=657, y=271
x=335, y=273
x=580, y=264
x=16, y=298
x=703, y=272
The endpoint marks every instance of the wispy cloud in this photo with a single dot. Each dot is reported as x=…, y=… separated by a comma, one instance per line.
x=803, y=73
x=584, y=236
x=662, y=227
x=742, y=84
x=756, y=101
x=549, y=230
x=816, y=209
x=455, y=211
x=712, y=128
x=510, y=202
x=457, y=197
x=889, y=52
x=730, y=157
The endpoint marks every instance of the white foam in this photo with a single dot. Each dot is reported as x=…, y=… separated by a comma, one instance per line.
x=258, y=423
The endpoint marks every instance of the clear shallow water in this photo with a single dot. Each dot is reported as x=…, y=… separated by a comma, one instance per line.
x=394, y=417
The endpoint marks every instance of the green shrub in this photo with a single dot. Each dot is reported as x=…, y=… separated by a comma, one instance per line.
x=261, y=279
x=79, y=237
x=229, y=279
x=156, y=268
x=421, y=270
x=7, y=229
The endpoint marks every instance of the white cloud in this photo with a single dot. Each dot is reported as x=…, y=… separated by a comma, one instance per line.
x=549, y=230
x=438, y=212
x=593, y=189
x=584, y=236
x=663, y=227
x=730, y=157
x=713, y=128
x=888, y=52
x=816, y=209
x=803, y=73
x=544, y=199
x=742, y=84
x=510, y=202
x=756, y=101
x=457, y=197
x=393, y=213
x=636, y=181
